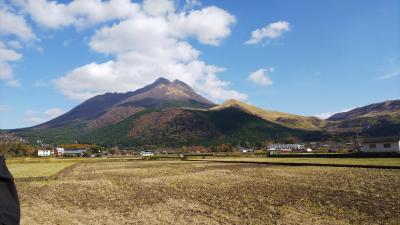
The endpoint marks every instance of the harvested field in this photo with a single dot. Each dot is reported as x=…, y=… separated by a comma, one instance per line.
x=182, y=192
x=387, y=162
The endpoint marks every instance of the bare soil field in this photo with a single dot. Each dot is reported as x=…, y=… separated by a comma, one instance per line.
x=182, y=192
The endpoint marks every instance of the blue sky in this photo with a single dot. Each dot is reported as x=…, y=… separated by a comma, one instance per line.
x=303, y=57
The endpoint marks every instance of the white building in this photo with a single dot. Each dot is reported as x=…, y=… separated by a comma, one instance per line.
x=60, y=151
x=146, y=153
x=285, y=147
x=246, y=150
x=44, y=152
x=381, y=144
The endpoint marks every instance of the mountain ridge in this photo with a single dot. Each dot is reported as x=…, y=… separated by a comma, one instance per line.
x=109, y=106
x=171, y=112
x=374, y=109
x=377, y=119
x=285, y=119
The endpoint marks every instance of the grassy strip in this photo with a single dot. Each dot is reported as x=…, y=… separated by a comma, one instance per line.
x=348, y=162
x=25, y=170
x=55, y=176
x=63, y=160
x=29, y=169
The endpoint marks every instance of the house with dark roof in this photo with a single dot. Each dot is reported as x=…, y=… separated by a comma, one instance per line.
x=381, y=144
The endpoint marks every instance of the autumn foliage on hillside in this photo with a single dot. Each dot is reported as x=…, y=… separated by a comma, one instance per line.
x=78, y=146
x=17, y=149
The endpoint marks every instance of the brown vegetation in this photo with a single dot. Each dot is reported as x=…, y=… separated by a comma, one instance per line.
x=285, y=119
x=178, y=192
x=16, y=149
x=112, y=116
x=177, y=124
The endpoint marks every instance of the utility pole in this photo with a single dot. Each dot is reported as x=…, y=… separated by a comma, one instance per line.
x=357, y=142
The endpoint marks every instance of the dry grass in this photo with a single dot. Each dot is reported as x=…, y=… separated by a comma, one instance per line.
x=45, y=167
x=24, y=170
x=286, y=119
x=336, y=161
x=179, y=192
x=19, y=160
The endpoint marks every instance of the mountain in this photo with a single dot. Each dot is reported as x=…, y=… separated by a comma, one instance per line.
x=378, y=119
x=183, y=126
x=168, y=113
x=111, y=108
x=284, y=119
x=373, y=110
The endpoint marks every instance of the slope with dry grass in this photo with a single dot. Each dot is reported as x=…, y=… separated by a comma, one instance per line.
x=285, y=119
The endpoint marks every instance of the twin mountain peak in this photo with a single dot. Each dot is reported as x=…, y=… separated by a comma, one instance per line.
x=172, y=111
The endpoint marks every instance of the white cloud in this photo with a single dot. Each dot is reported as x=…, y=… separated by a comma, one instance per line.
x=158, y=7
x=191, y=4
x=53, y=113
x=149, y=44
x=271, y=31
x=326, y=115
x=14, y=83
x=32, y=117
x=7, y=57
x=391, y=69
x=8, y=54
x=14, y=44
x=261, y=77
x=3, y=108
x=389, y=75
x=13, y=24
x=209, y=25
x=148, y=40
x=78, y=13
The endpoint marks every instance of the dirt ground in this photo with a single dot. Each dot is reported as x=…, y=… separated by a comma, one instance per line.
x=179, y=192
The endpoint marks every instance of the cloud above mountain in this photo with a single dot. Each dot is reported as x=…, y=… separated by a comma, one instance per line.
x=144, y=41
x=261, y=77
x=7, y=57
x=32, y=117
x=12, y=27
x=270, y=31
x=79, y=13
x=326, y=115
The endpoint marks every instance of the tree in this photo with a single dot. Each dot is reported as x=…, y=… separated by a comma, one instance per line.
x=3, y=149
